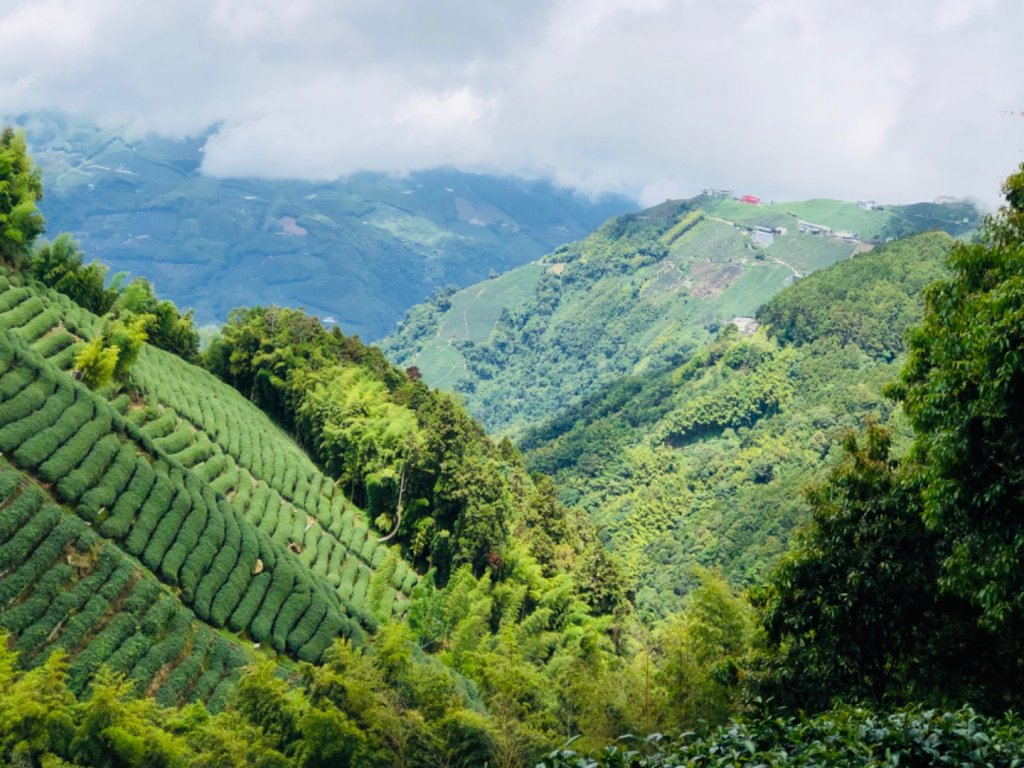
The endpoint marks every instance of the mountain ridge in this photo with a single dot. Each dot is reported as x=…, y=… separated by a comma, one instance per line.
x=641, y=293
x=360, y=250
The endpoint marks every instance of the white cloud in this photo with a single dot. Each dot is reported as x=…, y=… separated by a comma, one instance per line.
x=788, y=98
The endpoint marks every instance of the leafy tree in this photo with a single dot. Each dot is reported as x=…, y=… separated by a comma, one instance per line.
x=856, y=612
x=59, y=265
x=852, y=605
x=354, y=681
x=329, y=740
x=963, y=390
x=110, y=356
x=259, y=348
x=267, y=701
x=231, y=741
x=95, y=363
x=126, y=332
x=425, y=471
x=169, y=329
x=701, y=649
x=366, y=440
x=464, y=739
x=115, y=728
x=36, y=715
x=20, y=189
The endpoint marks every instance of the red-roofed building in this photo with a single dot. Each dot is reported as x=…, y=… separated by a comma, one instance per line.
x=752, y=199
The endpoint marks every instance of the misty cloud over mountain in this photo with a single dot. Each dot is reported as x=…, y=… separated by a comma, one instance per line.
x=653, y=98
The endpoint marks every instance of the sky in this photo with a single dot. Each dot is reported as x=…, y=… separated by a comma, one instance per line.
x=888, y=100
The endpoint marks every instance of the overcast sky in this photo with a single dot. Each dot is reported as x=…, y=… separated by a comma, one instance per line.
x=896, y=100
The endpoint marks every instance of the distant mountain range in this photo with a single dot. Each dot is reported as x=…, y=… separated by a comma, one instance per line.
x=359, y=251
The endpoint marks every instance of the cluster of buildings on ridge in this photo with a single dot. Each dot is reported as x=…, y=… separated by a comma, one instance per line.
x=763, y=236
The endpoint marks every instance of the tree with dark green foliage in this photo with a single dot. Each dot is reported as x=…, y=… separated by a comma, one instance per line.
x=20, y=189
x=115, y=728
x=907, y=585
x=856, y=611
x=59, y=265
x=169, y=329
x=35, y=716
x=259, y=348
x=963, y=390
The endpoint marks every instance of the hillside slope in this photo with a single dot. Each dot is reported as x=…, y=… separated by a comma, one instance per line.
x=361, y=249
x=201, y=498
x=154, y=522
x=640, y=294
x=705, y=463
x=66, y=588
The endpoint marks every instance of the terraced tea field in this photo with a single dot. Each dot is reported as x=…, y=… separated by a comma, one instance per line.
x=63, y=587
x=141, y=532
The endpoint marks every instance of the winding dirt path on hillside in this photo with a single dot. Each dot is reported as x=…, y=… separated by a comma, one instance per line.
x=451, y=370
x=796, y=272
x=448, y=341
x=465, y=310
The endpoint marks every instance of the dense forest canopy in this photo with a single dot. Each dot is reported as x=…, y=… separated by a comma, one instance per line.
x=705, y=463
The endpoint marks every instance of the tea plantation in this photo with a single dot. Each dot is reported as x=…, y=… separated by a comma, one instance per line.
x=141, y=532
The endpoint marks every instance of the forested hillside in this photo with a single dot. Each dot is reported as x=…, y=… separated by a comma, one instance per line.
x=360, y=250
x=903, y=587
x=641, y=294
x=705, y=463
x=187, y=536
x=426, y=602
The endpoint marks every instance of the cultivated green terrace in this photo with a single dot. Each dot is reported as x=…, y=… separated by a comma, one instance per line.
x=130, y=483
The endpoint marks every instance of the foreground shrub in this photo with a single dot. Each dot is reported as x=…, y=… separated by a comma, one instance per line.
x=845, y=736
